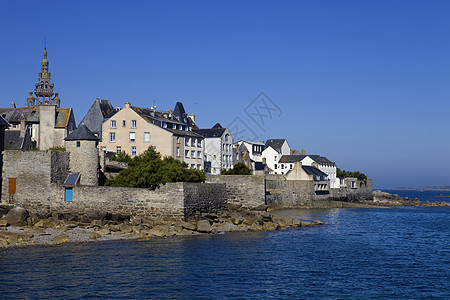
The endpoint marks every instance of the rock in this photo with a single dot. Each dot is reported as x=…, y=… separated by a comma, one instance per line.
x=17, y=216
x=203, y=226
x=261, y=207
x=270, y=226
x=158, y=231
x=236, y=220
x=124, y=228
x=4, y=223
x=234, y=206
x=97, y=215
x=120, y=217
x=282, y=221
x=46, y=223
x=185, y=225
x=104, y=231
x=97, y=223
x=61, y=239
x=303, y=223
x=95, y=235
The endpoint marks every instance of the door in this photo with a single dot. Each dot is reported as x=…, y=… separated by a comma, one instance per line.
x=69, y=194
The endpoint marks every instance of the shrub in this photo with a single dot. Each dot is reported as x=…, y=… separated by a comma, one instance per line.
x=238, y=169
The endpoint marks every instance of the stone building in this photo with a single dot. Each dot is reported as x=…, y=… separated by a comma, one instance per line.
x=99, y=112
x=218, y=148
x=134, y=129
x=48, y=124
x=82, y=145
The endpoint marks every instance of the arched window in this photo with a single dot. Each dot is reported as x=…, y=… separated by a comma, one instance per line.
x=42, y=84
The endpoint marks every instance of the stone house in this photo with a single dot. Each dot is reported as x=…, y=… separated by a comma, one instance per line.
x=134, y=129
x=218, y=148
x=250, y=153
x=100, y=111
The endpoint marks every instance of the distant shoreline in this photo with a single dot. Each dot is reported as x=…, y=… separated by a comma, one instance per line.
x=425, y=188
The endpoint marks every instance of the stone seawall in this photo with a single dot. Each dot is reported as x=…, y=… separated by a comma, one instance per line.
x=246, y=190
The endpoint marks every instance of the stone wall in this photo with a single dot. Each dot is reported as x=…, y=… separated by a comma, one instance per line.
x=84, y=160
x=246, y=190
x=204, y=197
x=362, y=190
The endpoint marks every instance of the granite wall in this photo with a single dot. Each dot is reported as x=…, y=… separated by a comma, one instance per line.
x=246, y=190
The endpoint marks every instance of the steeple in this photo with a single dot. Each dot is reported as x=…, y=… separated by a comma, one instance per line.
x=44, y=90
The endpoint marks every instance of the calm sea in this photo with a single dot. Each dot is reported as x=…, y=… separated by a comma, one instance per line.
x=400, y=253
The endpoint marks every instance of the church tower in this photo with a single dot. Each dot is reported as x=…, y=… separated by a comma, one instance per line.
x=44, y=90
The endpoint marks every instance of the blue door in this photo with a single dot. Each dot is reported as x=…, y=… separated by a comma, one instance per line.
x=69, y=194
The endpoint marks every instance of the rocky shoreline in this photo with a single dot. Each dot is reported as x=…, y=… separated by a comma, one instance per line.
x=381, y=198
x=19, y=227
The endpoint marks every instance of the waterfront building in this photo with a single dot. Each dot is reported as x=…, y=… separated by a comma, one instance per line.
x=274, y=149
x=134, y=129
x=98, y=113
x=218, y=149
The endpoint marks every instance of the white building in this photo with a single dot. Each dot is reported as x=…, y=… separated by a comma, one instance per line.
x=218, y=148
x=287, y=162
x=274, y=149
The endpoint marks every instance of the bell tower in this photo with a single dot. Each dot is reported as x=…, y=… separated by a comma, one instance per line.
x=44, y=90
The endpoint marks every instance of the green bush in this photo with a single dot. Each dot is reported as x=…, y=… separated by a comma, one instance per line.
x=148, y=170
x=121, y=157
x=238, y=169
x=344, y=174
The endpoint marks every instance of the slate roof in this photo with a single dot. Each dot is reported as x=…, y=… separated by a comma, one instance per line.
x=32, y=114
x=216, y=131
x=317, y=158
x=316, y=173
x=3, y=122
x=179, y=110
x=13, y=140
x=275, y=144
x=97, y=114
x=82, y=133
x=259, y=166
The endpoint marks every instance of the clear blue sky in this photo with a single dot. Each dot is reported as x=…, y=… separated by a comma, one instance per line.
x=364, y=83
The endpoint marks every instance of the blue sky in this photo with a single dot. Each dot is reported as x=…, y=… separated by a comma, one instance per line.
x=364, y=83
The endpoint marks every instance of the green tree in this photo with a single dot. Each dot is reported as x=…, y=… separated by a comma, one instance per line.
x=356, y=174
x=149, y=170
x=238, y=169
x=122, y=157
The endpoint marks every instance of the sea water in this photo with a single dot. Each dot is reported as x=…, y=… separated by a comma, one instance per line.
x=398, y=253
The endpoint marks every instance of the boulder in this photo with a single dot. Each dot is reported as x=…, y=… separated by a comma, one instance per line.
x=270, y=226
x=234, y=206
x=104, y=231
x=124, y=228
x=95, y=235
x=203, y=226
x=17, y=216
x=158, y=231
x=261, y=207
x=97, y=215
x=61, y=239
x=4, y=223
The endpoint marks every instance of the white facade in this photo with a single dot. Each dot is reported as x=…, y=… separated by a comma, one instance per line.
x=219, y=151
x=254, y=149
x=272, y=156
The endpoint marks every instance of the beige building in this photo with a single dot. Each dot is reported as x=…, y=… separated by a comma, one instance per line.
x=135, y=129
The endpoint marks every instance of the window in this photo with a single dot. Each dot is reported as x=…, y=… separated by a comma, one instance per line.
x=193, y=142
x=112, y=137
x=174, y=126
x=291, y=166
x=199, y=154
x=132, y=137
x=124, y=123
x=118, y=149
x=178, y=139
x=226, y=137
x=154, y=148
x=187, y=141
x=113, y=124
x=78, y=144
x=192, y=154
x=178, y=151
x=133, y=151
x=192, y=166
x=133, y=123
x=275, y=166
x=198, y=166
x=186, y=153
x=164, y=124
x=275, y=158
x=103, y=148
x=146, y=137
x=199, y=143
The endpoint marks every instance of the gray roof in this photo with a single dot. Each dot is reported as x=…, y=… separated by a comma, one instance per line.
x=316, y=173
x=13, y=140
x=317, y=158
x=275, y=144
x=179, y=110
x=64, y=116
x=97, y=114
x=3, y=122
x=321, y=160
x=216, y=131
x=82, y=133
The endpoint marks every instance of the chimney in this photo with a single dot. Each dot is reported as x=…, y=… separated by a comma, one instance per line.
x=23, y=127
x=303, y=152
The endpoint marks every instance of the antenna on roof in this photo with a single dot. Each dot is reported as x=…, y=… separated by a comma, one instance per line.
x=45, y=42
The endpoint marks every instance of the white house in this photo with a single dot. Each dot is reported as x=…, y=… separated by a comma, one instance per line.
x=323, y=164
x=274, y=149
x=218, y=148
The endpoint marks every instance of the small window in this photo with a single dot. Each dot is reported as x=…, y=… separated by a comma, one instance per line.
x=113, y=124
x=174, y=126
x=133, y=123
x=187, y=141
x=132, y=137
x=118, y=149
x=112, y=137
x=276, y=166
x=146, y=137
x=186, y=153
x=199, y=143
x=226, y=137
x=192, y=154
x=199, y=154
x=198, y=166
x=78, y=144
x=178, y=139
x=133, y=151
x=192, y=166
x=103, y=148
x=124, y=123
x=275, y=158
x=178, y=151
x=193, y=142
x=291, y=166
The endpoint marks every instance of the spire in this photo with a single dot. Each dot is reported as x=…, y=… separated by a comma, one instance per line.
x=13, y=104
x=44, y=90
